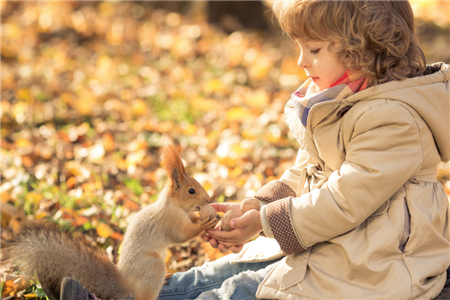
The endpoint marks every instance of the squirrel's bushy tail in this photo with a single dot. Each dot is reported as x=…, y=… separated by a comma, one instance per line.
x=43, y=250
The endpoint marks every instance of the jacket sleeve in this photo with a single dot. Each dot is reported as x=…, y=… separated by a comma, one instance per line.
x=287, y=185
x=382, y=154
x=291, y=176
x=284, y=187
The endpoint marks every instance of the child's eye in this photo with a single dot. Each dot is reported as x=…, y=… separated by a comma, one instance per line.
x=315, y=51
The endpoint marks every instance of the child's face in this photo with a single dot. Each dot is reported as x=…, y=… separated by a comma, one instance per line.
x=320, y=65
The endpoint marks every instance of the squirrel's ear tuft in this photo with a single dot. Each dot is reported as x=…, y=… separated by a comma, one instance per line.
x=173, y=165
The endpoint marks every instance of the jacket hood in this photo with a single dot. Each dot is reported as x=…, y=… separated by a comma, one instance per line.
x=428, y=95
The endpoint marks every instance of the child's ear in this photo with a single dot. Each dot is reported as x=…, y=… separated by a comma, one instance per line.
x=173, y=165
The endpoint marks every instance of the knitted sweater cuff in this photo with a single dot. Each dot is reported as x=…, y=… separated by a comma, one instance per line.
x=273, y=191
x=267, y=231
x=279, y=216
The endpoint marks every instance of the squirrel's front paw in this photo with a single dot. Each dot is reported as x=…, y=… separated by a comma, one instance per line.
x=209, y=222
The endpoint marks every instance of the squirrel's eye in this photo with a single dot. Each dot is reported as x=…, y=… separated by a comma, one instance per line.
x=191, y=191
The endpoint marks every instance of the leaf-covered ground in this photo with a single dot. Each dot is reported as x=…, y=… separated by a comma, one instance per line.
x=91, y=90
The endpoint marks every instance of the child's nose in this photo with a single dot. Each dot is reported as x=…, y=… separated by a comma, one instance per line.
x=302, y=61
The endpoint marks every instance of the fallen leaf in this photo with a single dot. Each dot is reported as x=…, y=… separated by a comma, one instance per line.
x=211, y=253
x=79, y=221
x=117, y=236
x=14, y=284
x=108, y=141
x=23, y=143
x=238, y=114
x=71, y=182
x=213, y=85
x=104, y=230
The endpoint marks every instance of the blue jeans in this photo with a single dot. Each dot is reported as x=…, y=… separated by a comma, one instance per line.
x=218, y=280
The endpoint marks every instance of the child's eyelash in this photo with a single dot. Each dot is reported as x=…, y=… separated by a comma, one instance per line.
x=315, y=51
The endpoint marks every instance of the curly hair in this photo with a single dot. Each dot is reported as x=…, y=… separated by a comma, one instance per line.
x=374, y=37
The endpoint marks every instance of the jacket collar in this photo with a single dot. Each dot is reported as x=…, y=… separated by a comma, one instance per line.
x=427, y=94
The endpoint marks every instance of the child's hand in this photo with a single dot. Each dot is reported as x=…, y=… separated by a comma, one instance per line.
x=245, y=228
x=224, y=207
x=222, y=248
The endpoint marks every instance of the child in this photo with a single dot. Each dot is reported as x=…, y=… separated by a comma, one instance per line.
x=361, y=214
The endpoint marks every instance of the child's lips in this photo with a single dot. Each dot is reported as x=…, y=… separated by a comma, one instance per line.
x=314, y=78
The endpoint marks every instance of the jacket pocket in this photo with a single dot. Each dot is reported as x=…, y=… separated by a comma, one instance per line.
x=295, y=269
x=406, y=228
x=400, y=194
x=289, y=272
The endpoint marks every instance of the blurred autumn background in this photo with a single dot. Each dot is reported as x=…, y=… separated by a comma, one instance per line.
x=91, y=90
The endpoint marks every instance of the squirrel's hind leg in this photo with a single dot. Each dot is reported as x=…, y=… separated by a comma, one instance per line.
x=148, y=286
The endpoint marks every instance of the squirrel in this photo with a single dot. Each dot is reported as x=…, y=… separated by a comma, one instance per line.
x=43, y=250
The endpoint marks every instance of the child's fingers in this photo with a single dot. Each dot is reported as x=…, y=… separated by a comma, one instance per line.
x=223, y=248
x=228, y=246
x=246, y=220
x=237, y=248
x=214, y=243
x=221, y=235
x=218, y=225
x=224, y=207
x=206, y=238
x=239, y=222
x=220, y=207
x=228, y=238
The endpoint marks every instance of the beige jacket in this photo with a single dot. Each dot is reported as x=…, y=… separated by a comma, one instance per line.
x=367, y=206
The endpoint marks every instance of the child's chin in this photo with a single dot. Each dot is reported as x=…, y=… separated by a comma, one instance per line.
x=322, y=87
x=319, y=87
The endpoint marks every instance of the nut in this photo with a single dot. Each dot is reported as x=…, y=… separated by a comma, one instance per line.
x=207, y=212
x=226, y=218
x=250, y=203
